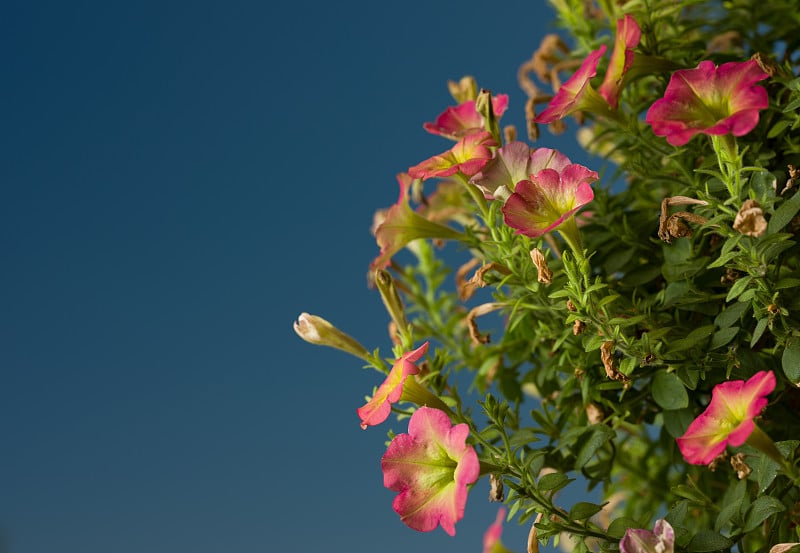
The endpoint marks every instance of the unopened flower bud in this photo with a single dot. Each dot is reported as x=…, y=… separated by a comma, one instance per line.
x=316, y=330
x=464, y=90
x=483, y=105
x=391, y=299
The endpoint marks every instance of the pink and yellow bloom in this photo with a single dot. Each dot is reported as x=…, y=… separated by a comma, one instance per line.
x=491, y=538
x=661, y=540
x=576, y=94
x=467, y=156
x=430, y=467
x=458, y=121
x=628, y=36
x=709, y=99
x=402, y=225
x=728, y=419
x=549, y=200
x=378, y=408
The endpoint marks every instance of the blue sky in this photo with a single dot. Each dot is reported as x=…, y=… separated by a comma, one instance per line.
x=179, y=181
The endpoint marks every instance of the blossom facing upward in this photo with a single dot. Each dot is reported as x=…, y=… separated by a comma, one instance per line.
x=574, y=94
x=709, y=99
x=377, y=409
x=548, y=198
x=513, y=163
x=661, y=540
x=430, y=467
x=628, y=36
x=728, y=419
x=458, y=121
x=467, y=156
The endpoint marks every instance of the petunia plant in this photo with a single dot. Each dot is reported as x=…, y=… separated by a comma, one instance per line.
x=609, y=345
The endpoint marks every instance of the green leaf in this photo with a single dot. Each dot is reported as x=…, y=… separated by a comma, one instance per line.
x=694, y=338
x=723, y=337
x=676, y=422
x=731, y=314
x=760, y=510
x=583, y=510
x=784, y=214
x=725, y=515
x=668, y=391
x=761, y=326
x=553, y=481
x=790, y=361
x=706, y=540
x=522, y=437
x=618, y=527
x=677, y=514
x=738, y=287
x=591, y=441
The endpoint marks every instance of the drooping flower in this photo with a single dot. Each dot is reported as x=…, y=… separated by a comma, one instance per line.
x=430, y=467
x=661, y=540
x=491, y=538
x=709, y=99
x=549, y=199
x=458, y=121
x=402, y=225
x=628, y=36
x=576, y=94
x=378, y=408
x=467, y=156
x=728, y=419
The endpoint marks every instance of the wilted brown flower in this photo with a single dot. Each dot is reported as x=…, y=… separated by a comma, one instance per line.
x=750, y=220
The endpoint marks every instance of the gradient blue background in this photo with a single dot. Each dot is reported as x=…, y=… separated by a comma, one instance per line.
x=179, y=181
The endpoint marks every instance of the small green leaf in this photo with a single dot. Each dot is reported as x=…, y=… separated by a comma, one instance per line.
x=618, y=527
x=784, y=214
x=790, y=361
x=706, y=540
x=738, y=287
x=723, y=337
x=761, y=326
x=591, y=441
x=553, y=482
x=760, y=510
x=583, y=510
x=668, y=391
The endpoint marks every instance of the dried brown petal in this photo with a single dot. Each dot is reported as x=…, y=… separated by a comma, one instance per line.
x=607, y=355
x=750, y=220
x=742, y=469
x=540, y=262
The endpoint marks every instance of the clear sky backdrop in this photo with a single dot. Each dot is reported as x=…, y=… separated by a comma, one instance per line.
x=179, y=181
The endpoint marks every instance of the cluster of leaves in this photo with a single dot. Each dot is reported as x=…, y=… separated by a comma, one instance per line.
x=595, y=370
x=623, y=348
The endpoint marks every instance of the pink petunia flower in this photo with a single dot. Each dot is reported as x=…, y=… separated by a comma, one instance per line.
x=468, y=156
x=728, y=419
x=550, y=198
x=628, y=36
x=458, y=121
x=576, y=94
x=491, y=538
x=378, y=408
x=402, y=225
x=661, y=540
x=709, y=99
x=430, y=468
x=513, y=163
